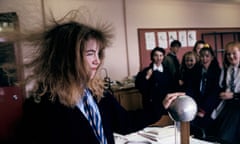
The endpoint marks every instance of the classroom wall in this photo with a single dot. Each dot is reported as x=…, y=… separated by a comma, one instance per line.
x=126, y=16
x=174, y=14
x=104, y=11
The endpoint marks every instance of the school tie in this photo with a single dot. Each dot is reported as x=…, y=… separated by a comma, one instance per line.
x=203, y=83
x=94, y=118
x=232, y=86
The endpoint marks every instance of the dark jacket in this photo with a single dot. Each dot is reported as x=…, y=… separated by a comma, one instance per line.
x=47, y=122
x=210, y=99
x=190, y=79
x=172, y=63
x=154, y=91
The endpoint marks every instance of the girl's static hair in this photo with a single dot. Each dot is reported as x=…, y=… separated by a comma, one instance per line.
x=58, y=68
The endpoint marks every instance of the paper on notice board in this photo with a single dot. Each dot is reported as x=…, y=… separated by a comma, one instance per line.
x=182, y=36
x=192, y=38
x=150, y=40
x=172, y=35
x=162, y=39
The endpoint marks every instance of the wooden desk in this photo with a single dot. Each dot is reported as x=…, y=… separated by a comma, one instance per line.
x=128, y=97
x=164, y=121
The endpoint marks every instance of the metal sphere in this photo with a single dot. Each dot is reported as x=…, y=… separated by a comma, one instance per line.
x=183, y=108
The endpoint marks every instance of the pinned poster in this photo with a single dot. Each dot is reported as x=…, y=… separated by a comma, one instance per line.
x=192, y=38
x=172, y=35
x=162, y=39
x=182, y=37
x=150, y=40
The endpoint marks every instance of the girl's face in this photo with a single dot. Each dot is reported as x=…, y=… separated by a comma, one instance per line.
x=190, y=61
x=91, y=56
x=233, y=55
x=158, y=57
x=199, y=47
x=206, y=58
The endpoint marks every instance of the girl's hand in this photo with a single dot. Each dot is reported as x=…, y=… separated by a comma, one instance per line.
x=170, y=97
x=181, y=82
x=226, y=95
x=149, y=74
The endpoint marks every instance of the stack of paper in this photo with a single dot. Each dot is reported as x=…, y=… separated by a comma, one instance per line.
x=155, y=135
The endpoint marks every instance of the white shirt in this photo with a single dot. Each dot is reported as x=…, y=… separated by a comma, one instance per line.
x=158, y=68
x=236, y=78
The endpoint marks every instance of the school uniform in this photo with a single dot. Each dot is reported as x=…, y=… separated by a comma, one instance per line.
x=190, y=79
x=227, y=123
x=47, y=122
x=153, y=92
x=172, y=63
x=207, y=97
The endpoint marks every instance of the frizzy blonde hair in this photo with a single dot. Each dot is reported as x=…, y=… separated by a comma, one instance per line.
x=58, y=67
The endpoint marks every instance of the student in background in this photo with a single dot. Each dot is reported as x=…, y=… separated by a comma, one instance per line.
x=154, y=82
x=172, y=63
x=227, y=123
x=208, y=88
x=197, y=47
x=188, y=70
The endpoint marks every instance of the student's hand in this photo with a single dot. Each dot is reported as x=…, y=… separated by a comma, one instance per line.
x=149, y=74
x=226, y=95
x=170, y=97
x=201, y=113
x=181, y=82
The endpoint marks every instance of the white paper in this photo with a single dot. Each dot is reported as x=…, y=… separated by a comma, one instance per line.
x=182, y=36
x=162, y=39
x=150, y=40
x=192, y=38
x=164, y=135
x=172, y=35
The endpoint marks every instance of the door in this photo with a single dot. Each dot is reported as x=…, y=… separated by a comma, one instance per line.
x=11, y=95
x=10, y=110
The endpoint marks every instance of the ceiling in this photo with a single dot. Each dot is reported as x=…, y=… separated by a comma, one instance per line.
x=216, y=1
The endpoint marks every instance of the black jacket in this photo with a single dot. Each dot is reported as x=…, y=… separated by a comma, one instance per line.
x=50, y=122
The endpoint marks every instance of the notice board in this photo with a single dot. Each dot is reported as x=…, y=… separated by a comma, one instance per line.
x=149, y=38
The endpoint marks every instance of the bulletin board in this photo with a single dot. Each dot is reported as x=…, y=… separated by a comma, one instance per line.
x=150, y=38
